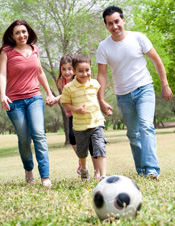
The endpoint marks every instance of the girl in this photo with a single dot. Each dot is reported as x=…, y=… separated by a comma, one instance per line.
x=66, y=75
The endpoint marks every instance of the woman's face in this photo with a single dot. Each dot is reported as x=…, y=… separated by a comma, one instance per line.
x=20, y=35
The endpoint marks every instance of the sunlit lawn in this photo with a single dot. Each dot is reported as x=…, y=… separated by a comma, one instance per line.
x=69, y=201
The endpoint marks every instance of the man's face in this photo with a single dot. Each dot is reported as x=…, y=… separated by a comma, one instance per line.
x=115, y=24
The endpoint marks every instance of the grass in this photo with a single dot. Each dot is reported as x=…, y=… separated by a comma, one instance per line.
x=69, y=201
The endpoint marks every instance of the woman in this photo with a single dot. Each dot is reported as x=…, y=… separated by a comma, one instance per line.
x=20, y=75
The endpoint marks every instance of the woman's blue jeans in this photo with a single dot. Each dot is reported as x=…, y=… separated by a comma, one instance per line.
x=27, y=116
x=138, y=109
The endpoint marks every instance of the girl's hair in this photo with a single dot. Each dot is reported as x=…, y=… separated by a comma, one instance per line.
x=66, y=59
x=7, y=39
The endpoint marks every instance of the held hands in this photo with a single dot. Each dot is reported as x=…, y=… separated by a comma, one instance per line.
x=50, y=100
x=166, y=93
x=4, y=103
x=57, y=99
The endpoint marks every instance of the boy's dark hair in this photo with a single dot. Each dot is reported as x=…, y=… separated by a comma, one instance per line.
x=80, y=58
x=7, y=39
x=112, y=9
x=66, y=59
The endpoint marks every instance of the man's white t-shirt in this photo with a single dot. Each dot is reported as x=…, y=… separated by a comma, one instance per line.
x=127, y=61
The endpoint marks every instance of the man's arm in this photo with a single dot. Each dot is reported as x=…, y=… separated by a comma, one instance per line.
x=154, y=57
x=102, y=79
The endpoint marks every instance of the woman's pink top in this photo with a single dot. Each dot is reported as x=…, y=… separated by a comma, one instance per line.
x=22, y=74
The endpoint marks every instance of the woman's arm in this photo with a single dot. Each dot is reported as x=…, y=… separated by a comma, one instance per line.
x=50, y=99
x=3, y=81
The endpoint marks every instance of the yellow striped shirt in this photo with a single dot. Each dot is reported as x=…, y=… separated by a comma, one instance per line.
x=77, y=95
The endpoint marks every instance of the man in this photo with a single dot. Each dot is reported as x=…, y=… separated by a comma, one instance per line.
x=125, y=52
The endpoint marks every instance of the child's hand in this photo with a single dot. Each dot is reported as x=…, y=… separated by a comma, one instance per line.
x=50, y=100
x=57, y=99
x=82, y=109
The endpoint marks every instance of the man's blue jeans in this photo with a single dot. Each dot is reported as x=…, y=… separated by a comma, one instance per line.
x=27, y=116
x=138, y=109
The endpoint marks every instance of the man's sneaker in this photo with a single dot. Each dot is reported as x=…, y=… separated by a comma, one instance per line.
x=79, y=169
x=84, y=174
x=46, y=182
x=152, y=177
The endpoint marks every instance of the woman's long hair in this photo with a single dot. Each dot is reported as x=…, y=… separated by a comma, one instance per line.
x=7, y=39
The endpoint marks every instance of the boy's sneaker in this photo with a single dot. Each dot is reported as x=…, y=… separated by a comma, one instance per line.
x=102, y=178
x=84, y=174
x=79, y=169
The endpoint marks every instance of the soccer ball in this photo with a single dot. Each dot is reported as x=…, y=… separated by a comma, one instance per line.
x=117, y=196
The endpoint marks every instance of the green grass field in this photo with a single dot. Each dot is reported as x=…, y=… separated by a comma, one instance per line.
x=69, y=201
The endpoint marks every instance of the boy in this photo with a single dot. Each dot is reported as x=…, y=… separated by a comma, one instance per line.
x=80, y=97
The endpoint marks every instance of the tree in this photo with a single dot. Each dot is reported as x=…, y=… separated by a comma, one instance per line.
x=156, y=19
x=63, y=26
x=69, y=26
x=5, y=123
x=163, y=110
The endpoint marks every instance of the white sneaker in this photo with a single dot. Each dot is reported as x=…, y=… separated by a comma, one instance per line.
x=152, y=177
x=46, y=182
x=102, y=178
x=84, y=175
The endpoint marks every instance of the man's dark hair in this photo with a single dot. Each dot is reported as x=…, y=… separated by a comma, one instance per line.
x=80, y=58
x=112, y=9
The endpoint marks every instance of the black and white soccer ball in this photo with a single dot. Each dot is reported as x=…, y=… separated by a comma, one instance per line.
x=117, y=196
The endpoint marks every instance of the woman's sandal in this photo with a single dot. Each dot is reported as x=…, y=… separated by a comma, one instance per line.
x=29, y=177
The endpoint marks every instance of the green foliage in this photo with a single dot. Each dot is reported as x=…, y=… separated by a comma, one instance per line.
x=156, y=19
x=164, y=110
x=77, y=26
x=53, y=119
x=114, y=121
x=5, y=123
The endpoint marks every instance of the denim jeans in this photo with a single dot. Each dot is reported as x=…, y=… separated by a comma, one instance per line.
x=138, y=109
x=27, y=116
